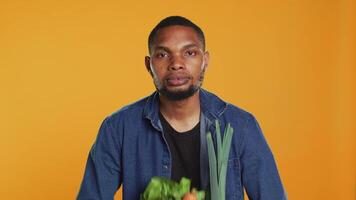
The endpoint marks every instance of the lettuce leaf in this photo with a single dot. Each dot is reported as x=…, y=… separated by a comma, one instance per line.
x=161, y=188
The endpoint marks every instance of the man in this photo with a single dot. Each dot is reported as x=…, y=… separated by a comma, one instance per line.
x=164, y=134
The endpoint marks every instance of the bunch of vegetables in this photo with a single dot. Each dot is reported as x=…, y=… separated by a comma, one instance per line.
x=218, y=162
x=161, y=188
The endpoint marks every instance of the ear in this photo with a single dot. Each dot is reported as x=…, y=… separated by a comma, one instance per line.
x=148, y=64
x=206, y=59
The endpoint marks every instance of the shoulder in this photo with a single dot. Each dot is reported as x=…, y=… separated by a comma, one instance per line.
x=234, y=113
x=217, y=105
x=127, y=112
x=238, y=112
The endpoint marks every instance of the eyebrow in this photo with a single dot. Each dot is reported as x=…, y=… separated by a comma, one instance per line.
x=159, y=47
x=190, y=46
x=162, y=48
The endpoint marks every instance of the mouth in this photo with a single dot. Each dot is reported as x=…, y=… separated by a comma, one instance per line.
x=177, y=80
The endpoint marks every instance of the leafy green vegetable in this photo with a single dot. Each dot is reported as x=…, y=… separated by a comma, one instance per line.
x=161, y=188
x=218, y=162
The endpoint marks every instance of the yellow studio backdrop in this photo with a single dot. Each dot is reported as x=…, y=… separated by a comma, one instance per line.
x=65, y=65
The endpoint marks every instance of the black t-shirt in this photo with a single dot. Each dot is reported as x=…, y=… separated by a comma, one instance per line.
x=185, y=152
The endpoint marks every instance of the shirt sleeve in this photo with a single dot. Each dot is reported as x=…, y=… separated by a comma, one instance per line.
x=102, y=176
x=260, y=176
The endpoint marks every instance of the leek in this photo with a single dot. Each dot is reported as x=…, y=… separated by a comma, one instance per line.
x=218, y=162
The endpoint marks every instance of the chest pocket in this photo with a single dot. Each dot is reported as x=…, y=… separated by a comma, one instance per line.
x=233, y=180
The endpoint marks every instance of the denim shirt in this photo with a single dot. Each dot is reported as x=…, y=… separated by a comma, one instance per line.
x=130, y=149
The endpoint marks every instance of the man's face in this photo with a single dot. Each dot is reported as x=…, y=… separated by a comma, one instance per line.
x=177, y=62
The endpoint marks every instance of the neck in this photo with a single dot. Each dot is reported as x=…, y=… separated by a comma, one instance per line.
x=183, y=114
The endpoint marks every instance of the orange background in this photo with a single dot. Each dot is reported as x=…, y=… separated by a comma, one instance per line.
x=65, y=65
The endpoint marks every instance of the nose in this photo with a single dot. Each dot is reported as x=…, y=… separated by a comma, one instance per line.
x=177, y=63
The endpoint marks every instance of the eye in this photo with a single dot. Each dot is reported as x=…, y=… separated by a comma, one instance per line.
x=190, y=53
x=161, y=55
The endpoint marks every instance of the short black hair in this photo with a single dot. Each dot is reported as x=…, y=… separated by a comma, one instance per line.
x=171, y=21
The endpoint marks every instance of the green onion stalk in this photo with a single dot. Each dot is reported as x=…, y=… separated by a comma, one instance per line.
x=218, y=162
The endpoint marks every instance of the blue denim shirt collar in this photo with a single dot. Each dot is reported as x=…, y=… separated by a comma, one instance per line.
x=211, y=107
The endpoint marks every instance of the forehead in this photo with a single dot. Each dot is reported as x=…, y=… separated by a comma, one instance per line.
x=176, y=36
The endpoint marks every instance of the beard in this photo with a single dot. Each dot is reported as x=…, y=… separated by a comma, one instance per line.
x=180, y=94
